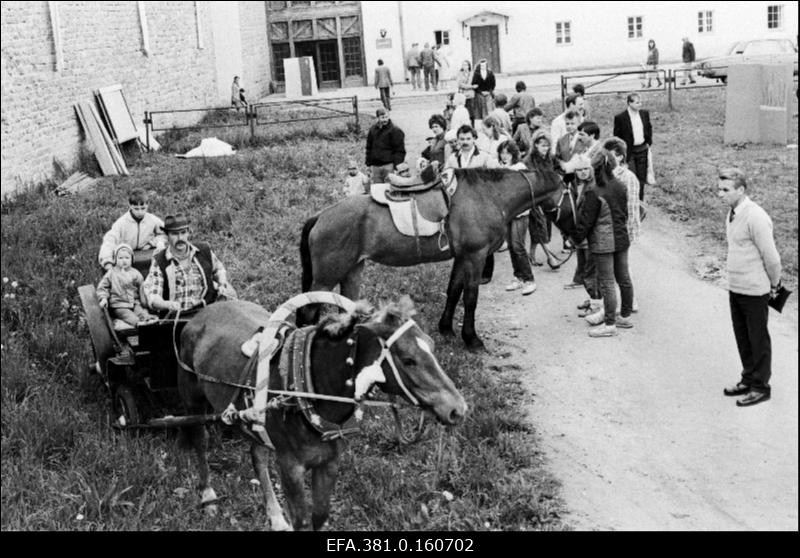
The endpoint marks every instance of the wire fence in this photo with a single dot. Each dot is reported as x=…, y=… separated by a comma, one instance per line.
x=253, y=116
x=669, y=80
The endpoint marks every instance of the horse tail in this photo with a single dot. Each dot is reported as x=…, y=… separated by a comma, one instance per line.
x=305, y=253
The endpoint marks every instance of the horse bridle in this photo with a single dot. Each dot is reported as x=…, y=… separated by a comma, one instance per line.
x=386, y=355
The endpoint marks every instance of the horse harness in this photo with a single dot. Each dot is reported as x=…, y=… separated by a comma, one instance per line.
x=297, y=384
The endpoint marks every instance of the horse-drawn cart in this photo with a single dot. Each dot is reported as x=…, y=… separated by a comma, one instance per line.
x=138, y=365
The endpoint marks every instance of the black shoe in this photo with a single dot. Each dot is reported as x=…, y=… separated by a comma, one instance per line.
x=753, y=398
x=485, y=280
x=738, y=389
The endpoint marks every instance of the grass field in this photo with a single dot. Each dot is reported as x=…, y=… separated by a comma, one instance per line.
x=64, y=468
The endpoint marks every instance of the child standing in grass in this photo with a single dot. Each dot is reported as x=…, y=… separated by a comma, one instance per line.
x=137, y=228
x=356, y=182
x=119, y=290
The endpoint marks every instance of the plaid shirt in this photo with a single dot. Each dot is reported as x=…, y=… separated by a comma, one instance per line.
x=632, y=187
x=187, y=284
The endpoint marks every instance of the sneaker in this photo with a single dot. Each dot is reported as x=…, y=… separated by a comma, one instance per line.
x=528, y=287
x=503, y=247
x=597, y=318
x=514, y=285
x=573, y=285
x=753, y=398
x=603, y=331
x=624, y=323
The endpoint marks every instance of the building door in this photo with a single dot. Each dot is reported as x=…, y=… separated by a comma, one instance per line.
x=326, y=60
x=486, y=44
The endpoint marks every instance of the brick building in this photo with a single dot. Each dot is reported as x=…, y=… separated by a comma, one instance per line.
x=166, y=55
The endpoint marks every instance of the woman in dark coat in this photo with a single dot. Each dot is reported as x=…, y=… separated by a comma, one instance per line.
x=483, y=79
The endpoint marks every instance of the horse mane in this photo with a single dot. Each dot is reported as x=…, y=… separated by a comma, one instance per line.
x=479, y=174
x=338, y=326
x=395, y=313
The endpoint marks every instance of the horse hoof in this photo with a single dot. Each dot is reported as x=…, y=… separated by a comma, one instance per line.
x=475, y=345
x=279, y=524
x=446, y=330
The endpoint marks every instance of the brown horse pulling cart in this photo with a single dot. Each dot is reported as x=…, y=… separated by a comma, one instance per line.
x=200, y=366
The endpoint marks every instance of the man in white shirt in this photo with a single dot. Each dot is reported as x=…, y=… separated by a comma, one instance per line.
x=469, y=156
x=559, y=126
x=633, y=127
x=754, y=275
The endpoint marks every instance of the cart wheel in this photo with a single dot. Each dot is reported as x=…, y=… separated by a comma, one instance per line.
x=125, y=407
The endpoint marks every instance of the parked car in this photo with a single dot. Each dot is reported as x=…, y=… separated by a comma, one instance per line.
x=758, y=51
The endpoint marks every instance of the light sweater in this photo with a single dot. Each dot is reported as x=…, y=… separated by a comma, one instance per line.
x=753, y=261
x=139, y=235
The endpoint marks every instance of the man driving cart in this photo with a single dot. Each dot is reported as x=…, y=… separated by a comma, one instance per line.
x=185, y=276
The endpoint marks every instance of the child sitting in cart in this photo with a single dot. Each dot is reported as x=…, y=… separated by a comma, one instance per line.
x=140, y=230
x=119, y=291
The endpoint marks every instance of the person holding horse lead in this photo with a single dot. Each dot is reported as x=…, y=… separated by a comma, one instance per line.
x=386, y=147
x=185, y=276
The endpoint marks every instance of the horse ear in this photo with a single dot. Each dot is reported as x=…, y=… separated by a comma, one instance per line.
x=406, y=305
x=337, y=325
x=362, y=311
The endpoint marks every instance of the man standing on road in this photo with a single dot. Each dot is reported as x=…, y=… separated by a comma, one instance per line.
x=386, y=147
x=688, y=60
x=633, y=127
x=520, y=104
x=754, y=274
x=383, y=83
x=412, y=63
x=428, y=60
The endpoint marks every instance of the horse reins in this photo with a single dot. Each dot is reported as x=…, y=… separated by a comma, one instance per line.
x=564, y=192
x=385, y=355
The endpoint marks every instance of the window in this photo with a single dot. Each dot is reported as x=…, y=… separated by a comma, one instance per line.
x=279, y=52
x=563, y=36
x=276, y=5
x=441, y=37
x=635, y=27
x=351, y=47
x=775, y=16
x=705, y=22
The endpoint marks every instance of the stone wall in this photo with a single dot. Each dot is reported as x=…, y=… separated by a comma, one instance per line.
x=255, y=49
x=102, y=45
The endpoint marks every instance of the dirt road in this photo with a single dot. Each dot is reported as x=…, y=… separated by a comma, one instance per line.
x=636, y=427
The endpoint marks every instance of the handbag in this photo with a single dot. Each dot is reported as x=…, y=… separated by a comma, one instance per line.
x=779, y=299
x=651, y=174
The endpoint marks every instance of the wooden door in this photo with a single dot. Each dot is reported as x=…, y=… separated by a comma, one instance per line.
x=486, y=44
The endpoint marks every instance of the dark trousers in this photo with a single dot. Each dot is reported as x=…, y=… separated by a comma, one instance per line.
x=749, y=316
x=427, y=72
x=515, y=123
x=381, y=172
x=586, y=273
x=637, y=162
x=386, y=94
x=517, y=229
x=415, y=82
x=610, y=268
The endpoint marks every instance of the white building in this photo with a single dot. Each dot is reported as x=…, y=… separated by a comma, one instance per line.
x=523, y=37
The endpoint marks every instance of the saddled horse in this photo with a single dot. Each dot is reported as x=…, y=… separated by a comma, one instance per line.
x=347, y=354
x=336, y=242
